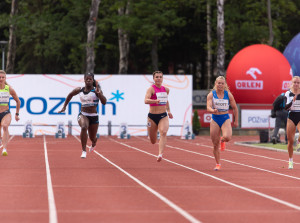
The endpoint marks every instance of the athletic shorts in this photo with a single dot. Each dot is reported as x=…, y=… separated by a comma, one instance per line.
x=294, y=117
x=220, y=119
x=92, y=119
x=157, y=117
x=2, y=114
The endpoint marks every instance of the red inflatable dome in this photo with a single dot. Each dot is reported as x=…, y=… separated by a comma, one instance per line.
x=258, y=74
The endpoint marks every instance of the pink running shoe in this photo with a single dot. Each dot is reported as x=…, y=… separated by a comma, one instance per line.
x=218, y=167
x=159, y=158
x=91, y=149
x=223, y=146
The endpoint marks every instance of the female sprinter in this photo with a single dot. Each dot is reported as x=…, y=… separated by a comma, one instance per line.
x=157, y=98
x=88, y=118
x=293, y=106
x=218, y=101
x=5, y=115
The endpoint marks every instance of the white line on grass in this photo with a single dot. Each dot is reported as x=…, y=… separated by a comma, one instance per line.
x=158, y=195
x=288, y=204
x=51, y=201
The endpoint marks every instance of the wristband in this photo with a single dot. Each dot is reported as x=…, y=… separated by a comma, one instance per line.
x=17, y=114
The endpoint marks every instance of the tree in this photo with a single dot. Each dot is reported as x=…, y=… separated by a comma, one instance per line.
x=208, y=35
x=91, y=33
x=271, y=35
x=221, y=39
x=123, y=38
x=11, y=53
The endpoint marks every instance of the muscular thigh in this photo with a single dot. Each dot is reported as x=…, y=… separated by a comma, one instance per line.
x=226, y=128
x=83, y=121
x=163, y=124
x=152, y=128
x=215, y=131
x=6, y=120
x=290, y=129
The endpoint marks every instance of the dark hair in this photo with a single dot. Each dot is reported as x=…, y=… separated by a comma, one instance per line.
x=157, y=72
x=92, y=75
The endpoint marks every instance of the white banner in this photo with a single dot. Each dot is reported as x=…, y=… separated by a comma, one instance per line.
x=42, y=96
x=257, y=118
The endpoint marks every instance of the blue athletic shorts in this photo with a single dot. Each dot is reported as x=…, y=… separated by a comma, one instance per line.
x=220, y=119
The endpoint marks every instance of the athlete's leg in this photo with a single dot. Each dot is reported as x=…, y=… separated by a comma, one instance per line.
x=5, y=123
x=92, y=130
x=163, y=127
x=152, y=130
x=290, y=131
x=226, y=131
x=84, y=124
x=215, y=132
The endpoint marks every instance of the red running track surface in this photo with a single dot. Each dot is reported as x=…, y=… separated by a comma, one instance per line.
x=43, y=179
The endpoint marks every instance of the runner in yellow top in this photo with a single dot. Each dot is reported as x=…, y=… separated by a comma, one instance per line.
x=5, y=116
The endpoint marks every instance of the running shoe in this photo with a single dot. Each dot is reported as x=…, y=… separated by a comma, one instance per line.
x=223, y=146
x=298, y=146
x=91, y=149
x=291, y=166
x=4, y=152
x=274, y=140
x=83, y=154
x=159, y=158
x=218, y=167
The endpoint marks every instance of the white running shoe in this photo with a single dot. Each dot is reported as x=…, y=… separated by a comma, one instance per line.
x=291, y=166
x=91, y=149
x=83, y=154
x=4, y=152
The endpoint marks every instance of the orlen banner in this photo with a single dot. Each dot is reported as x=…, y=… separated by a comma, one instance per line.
x=258, y=74
x=42, y=96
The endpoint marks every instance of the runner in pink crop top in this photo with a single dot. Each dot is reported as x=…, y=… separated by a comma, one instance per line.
x=161, y=94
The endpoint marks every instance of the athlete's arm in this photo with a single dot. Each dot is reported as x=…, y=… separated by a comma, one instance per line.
x=18, y=103
x=235, y=109
x=99, y=93
x=209, y=103
x=168, y=105
x=149, y=93
x=69, y=97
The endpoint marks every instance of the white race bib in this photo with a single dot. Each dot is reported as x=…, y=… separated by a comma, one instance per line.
x=221, y=104
x=162, y=97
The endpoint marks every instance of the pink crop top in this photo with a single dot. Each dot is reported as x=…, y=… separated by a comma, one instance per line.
x=160, y=94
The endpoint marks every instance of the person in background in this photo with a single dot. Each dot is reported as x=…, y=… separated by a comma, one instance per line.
x=88, y=118
x=218, y=101
x=280, y=117
x=293, y=122
x=5, y=116
x=159, y=113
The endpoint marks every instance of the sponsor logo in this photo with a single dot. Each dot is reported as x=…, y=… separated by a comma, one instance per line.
x=286, y=85
x=250, y=84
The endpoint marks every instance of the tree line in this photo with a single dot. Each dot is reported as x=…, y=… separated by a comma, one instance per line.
x=197, y=37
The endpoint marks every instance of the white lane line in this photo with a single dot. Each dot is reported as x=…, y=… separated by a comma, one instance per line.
x=241, y=164
x=234, y=151
x=51, y=201
x=288, y=204
x=158, y=195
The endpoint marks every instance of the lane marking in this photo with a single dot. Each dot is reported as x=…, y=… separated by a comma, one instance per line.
x=51, y=201
x=234, y=151
x=288, y=204
x=158, y=195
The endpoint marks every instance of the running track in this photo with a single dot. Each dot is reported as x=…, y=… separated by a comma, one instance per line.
x=43, y=179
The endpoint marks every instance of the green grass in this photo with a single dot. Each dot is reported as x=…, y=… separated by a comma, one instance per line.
x=271, y=145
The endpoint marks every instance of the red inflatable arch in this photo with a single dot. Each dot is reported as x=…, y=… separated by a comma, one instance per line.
x=258, y=74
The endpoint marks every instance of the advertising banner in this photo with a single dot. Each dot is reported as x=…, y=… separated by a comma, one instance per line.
x=251, y=118
x=42, y=96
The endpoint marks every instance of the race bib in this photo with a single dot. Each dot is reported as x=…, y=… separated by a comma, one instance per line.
x=162, y=97
x=221, y=104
